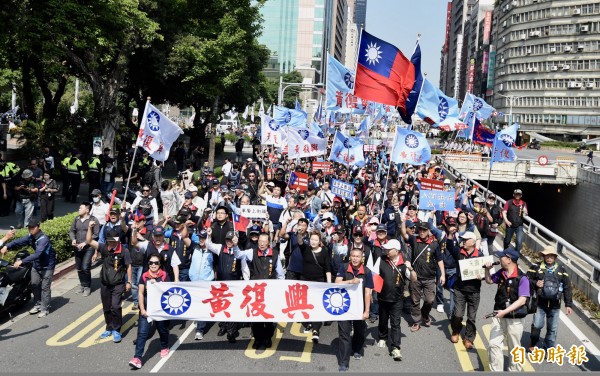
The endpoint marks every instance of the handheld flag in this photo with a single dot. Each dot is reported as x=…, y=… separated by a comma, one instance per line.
x=245, y=114
x=473, y=107
x=157, y=133
x=293, y=118
x=261, y=109
x=363, y=128
x=347, y=150
x=270, y=132
x=383, y=73
x=304, y=143
x=240, y=223
x=482, y=135
x=413, y=98
x=410, y=147
x=434, y=106
x=504, y=141
x=340, y=84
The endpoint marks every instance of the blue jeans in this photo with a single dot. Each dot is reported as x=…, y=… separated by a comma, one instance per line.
x=24, y=211
x=519, y=238
x=552, y=316
x=136, y=273
x=146, y=331
x=184, y=275
x=106, y=189
x=374, y=308
x=439, y=292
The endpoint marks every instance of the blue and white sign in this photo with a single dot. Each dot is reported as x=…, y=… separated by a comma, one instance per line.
x=436, y=200
x=342, y=189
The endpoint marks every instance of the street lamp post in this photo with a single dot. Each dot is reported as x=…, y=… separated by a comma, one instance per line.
x=510, y=98
x=285, y=85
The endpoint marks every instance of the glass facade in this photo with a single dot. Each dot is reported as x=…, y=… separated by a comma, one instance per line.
x=280, y=30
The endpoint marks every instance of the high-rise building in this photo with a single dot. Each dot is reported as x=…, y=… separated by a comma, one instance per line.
x=360, y=13
x=352, y=36
x=300, y=32
x=444, y=59
x=547, y=71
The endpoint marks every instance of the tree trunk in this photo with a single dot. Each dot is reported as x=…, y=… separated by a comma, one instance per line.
x=211, y=141
x=109, y=122
x=28, y=100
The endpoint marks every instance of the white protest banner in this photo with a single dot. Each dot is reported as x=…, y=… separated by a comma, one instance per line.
x=472, y=267
x=342, y=189
x=269, y=300
x=253, y=211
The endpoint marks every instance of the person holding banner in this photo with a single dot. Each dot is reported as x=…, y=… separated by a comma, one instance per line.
x=316, y=266
x=155, y=274
x=352, y=334
x=394, y=271
x=264, y=263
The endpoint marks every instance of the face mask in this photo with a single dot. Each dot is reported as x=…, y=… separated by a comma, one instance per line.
x=96, y=199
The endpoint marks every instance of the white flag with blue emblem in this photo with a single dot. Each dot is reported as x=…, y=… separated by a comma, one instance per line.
x=157, y=133
x=268, y=300
x=304, y=143
x=410, y=147
x=270, y=131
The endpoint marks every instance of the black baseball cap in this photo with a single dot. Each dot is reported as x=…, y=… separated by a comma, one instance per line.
x=33, y=223
x=229, y=235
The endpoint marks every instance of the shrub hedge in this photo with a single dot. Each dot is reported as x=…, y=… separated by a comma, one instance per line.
x=57, y=230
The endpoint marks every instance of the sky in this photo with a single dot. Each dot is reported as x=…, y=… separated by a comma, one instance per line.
x=400, y=21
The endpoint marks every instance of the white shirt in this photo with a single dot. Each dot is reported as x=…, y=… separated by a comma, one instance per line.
x=99, y=211
x=136, y=202
x=226, y=169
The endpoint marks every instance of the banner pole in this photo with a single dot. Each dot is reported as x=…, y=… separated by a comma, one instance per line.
x=134, y=153
x=387, y=177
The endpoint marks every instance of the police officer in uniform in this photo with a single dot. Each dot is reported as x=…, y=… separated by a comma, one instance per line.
x=94, y=174
x=74, y=176
x=8, y=173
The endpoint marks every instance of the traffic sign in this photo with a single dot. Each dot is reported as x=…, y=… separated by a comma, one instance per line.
x=543, y=160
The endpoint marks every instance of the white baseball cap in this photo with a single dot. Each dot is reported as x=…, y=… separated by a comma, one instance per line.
x=392, y=244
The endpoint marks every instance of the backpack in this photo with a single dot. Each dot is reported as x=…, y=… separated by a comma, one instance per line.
x=482, y=223
x=145, y=206
x=149, y=178
x=551, y=289
x=532, y=301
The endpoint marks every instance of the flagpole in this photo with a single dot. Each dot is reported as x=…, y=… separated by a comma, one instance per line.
x=487, y=188
x=387, y=176
x=135, y=152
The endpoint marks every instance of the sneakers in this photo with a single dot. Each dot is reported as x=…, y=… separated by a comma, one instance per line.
x=268, y=343
x=34, y=310
x=43, y=314
x=199, y=336
x=106, y=334
x=440, y=308
x=164, y=353
x=222, y=331
x=396, y=354
x=468, y=344
x=79, y=290
x=415, y=327
x=135, y=363
x=372, y=319
x=307, y=329
x=135, y=307
x=116, y=336
x=381, y=343
x=343, y=368
x=427, y=323
x=315, y=336
x=357, y=356
x=454, y=337
x=87, y=291
x=231, y=338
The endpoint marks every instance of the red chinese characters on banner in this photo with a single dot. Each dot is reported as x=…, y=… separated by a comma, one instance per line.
x=296, y=299
x=141, y=133
x=257, y=307
x=219, y=302
x=147, y=142
x=338, y=98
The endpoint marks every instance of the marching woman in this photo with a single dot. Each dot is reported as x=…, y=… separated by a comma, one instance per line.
x=316, y=267
x=155, y=274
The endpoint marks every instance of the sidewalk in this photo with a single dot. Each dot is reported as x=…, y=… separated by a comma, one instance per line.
x=63, y=207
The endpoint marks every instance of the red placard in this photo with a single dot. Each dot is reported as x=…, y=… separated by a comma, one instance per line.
x=299, y=180
x=432, y=185
x=323, y=166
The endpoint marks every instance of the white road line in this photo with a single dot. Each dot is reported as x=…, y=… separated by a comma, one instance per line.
x=592, y=349
x=175, y=346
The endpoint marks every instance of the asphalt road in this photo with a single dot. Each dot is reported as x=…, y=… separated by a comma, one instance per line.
x=67, y=340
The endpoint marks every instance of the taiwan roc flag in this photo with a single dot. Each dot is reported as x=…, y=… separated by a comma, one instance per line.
x=240, y=223
x=383, y=73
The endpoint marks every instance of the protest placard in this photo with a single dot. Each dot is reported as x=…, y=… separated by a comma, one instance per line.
x=473, y=267
x=436, y=200
x=432, y=184
x=323, y=166
x=253, y=211
x=342, y=189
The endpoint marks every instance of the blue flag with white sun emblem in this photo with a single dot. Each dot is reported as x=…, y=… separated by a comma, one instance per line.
x=347, y=150
x=340, y=86
x=410, y=147
x=504, y=141
x=434, y=106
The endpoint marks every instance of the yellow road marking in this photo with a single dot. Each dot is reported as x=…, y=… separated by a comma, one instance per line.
x=56, y=339
x=308, y=346
x=487, y=329
x=253, y=354
x=94, y=338
x=463, y=355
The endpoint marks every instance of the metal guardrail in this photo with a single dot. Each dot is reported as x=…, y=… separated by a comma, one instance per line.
x=532, y=225
x=589, y=167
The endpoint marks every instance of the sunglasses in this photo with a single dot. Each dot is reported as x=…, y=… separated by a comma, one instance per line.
x=153, y=262
x=145, y=190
